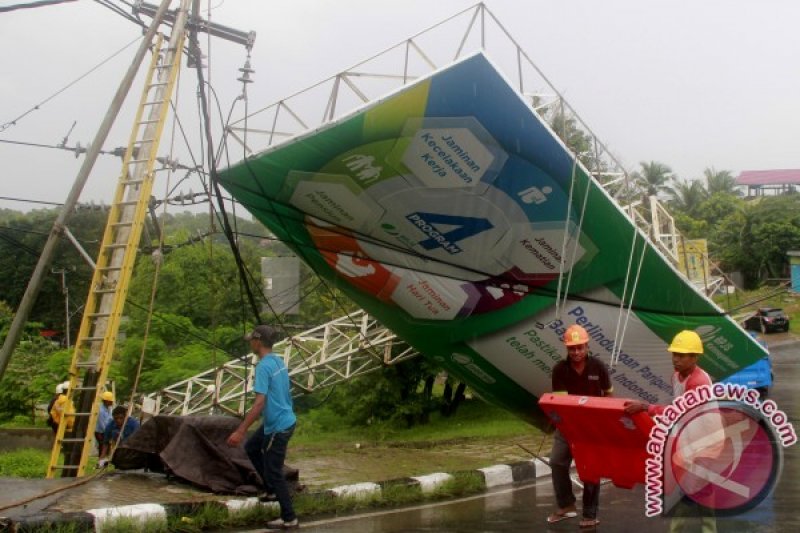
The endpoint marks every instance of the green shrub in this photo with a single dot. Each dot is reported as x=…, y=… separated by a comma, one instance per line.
x=27, y=463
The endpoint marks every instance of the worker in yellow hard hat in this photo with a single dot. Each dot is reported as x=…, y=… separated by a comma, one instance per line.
x=686, y=348
x=103, y=417
x=584, y=375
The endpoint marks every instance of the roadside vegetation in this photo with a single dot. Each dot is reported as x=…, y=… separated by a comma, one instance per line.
x=213, y=516
x=321, y=433
x=743, y=302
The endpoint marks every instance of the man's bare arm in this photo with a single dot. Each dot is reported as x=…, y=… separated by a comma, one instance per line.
x=252, y=415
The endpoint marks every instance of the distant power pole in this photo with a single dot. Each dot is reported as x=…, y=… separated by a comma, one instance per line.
x=65, y=292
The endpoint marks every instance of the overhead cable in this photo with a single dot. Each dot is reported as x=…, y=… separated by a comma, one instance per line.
x=14, y=121
x=30, y=5
x=212, y=170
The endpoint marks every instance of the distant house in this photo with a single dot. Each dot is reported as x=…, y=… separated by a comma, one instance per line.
x=769, y=182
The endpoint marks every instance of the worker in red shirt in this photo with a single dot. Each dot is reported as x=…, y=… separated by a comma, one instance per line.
x=584, y=375
x=686, y=348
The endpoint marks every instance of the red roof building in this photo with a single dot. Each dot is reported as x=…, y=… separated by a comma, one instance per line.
x=764, y=182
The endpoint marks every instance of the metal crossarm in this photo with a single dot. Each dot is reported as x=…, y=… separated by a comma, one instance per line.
x=344, y=348
x=97, y=336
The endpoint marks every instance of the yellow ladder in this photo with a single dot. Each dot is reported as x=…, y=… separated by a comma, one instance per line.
x=97, y=337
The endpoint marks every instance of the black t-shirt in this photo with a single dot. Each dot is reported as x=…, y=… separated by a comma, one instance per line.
x=594, y=380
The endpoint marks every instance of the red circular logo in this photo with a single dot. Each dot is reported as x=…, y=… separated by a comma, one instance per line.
x=724, y=456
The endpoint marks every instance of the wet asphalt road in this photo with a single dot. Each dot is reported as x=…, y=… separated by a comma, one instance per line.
x=525, y=508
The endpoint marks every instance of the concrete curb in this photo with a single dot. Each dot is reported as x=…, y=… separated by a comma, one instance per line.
x=95, y=519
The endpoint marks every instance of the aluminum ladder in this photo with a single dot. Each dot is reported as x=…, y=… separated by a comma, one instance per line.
x=95, y=344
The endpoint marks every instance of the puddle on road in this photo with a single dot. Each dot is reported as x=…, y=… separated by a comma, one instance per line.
x=127, y=489
x=348, y=464
x=319, y=469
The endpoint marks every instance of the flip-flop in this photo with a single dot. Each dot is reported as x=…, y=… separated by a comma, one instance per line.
x=558, y=517
x=592, y=523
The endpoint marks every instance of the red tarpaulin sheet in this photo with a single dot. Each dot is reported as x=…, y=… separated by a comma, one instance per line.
x=606, y=443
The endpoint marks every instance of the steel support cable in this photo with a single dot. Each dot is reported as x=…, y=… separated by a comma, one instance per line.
x=213, y=173
x=625, y=290
x=564, y=240
x=13, y=122
x=618, y=345
x=577, y=236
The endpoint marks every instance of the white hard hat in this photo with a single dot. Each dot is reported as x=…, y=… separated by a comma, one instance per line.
x=59, y=388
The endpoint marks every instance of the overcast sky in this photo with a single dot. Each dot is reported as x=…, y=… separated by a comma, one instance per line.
x=691, y=83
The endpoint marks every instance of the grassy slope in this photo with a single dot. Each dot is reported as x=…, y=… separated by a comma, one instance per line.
x=477, y=435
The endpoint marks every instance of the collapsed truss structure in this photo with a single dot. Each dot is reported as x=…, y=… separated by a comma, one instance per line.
x=356, y=344
x=349, y=346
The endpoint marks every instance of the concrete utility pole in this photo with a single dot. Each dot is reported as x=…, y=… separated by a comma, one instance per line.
x=65, y=292
x=35, y=283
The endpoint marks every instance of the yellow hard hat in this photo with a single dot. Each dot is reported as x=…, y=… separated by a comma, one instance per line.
x=687, y=341
x=107, y=396
x=575, y=336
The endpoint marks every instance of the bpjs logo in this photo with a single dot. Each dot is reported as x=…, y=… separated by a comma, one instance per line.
x=445, y=231
x=718, y=446
x=715, y=342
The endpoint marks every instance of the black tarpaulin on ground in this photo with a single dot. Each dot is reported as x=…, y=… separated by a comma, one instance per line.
x=193, y=449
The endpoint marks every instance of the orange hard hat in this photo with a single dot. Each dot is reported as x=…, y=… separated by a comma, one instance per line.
x=575, y=336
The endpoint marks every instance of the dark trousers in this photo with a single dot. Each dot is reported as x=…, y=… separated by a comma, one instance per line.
x=99, y=438
x=253, y=448
x=560, y=461
x=271, y=449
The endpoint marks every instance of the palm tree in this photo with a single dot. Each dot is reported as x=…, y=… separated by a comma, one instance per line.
x=687, y=195
x=720, y=181
x=653, y=177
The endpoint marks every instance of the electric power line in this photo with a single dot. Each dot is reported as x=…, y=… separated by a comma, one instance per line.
x=30, y=5
x=14, y=122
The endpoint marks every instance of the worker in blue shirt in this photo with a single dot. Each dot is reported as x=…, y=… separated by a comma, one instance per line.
x=103, y=418
x=267, y=446
x=113, y=430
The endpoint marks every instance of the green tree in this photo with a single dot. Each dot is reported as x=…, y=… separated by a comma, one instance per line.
x=29, y=379
x=720, y=182
x=401, y=394
x=687, y=196
x=653, y=177
x=22, y=236
x=755, y=237
x=717, y=206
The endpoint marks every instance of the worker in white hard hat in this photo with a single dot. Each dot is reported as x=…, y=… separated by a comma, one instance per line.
x=51, y=421
x=103, y=417
x=61, y=408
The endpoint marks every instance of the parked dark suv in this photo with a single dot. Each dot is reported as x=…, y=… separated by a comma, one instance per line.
x=767, y=320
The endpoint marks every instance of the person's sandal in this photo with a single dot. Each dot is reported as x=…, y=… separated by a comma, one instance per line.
x=560, y=515
x=589, y=523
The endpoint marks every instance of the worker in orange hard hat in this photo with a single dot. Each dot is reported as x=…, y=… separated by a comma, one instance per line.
x=103, y=417
x=584, y=375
